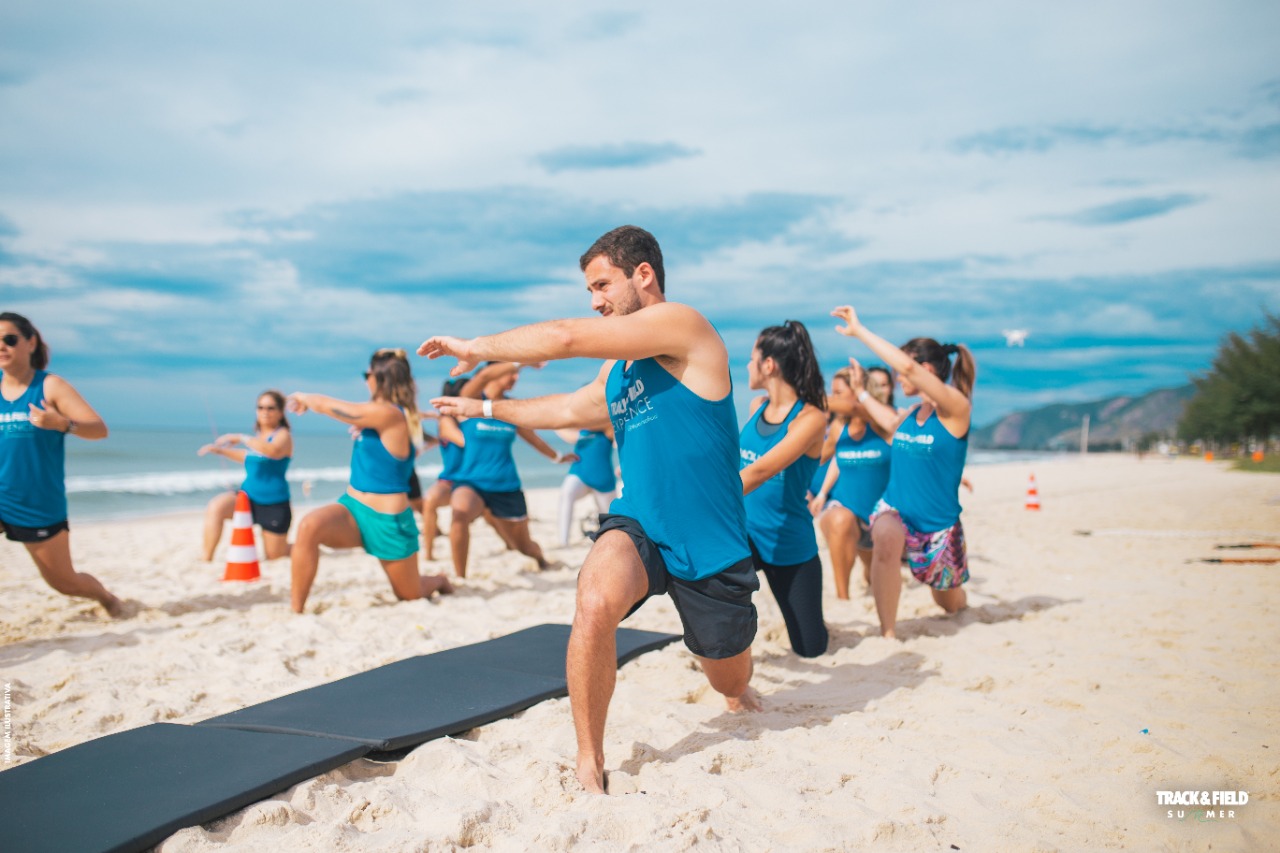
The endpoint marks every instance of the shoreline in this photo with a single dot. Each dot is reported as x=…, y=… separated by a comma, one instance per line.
x=1088, y=673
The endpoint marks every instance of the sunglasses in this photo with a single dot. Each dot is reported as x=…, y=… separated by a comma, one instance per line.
x=11, y=340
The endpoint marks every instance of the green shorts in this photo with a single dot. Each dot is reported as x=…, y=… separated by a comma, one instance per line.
x=385, y=536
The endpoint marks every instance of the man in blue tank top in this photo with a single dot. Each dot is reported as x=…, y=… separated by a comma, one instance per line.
x=680, y=527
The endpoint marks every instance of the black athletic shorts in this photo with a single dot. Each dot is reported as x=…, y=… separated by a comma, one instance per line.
x=273, y=518
x=717, y=614
x=509, y=506
x=34, y=534
x=415, y=486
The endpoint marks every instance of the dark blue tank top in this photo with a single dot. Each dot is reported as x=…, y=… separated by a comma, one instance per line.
x=679, y=457
x=487, y=459
x=778, y=519
x=451, y=459
x=595, y=461
x=264, y=477
x=375, y=470
x=32, y=463
x=924, y=477
x=864, y=471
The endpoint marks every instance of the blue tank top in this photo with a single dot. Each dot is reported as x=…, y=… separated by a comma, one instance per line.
x=679, y=457
x=778, y=519
x=264, y=480
x=819, y=477
x=924, y=477
x=864, y=471
x=451, y=457
x=375, y=470
x=488, y=462
x=32, y=463
x=595, y=463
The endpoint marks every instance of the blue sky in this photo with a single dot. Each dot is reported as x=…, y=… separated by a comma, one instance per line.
x=198, y=203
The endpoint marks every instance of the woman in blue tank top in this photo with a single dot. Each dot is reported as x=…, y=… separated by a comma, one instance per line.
x=854, y=481
x=265, y=455
x=374, y=511
x=592, y=475
x=919, y=514
x=488, y=483
x=37, y=411
x=780, y=448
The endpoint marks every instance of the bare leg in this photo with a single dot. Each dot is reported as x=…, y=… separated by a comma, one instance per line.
x=951, y=600
x=840, y=527
x=408, y=585
x=502, y=532
x=431, y=501
x=275, y=545
x=467, y=507
x=330, y=525
x=53, y=558
x=864, y=556
x=216, y=512
x=731, y=678
x=886, y=578
x=517, y=533
x=612, y=580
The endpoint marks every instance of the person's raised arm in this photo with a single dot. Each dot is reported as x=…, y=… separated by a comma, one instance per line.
x=803, y=434
x=545, y=449
x=64, y=410
x=952, y=405
x=474, y=386
x=371, y=415
x=222, y=450
x=859, y=403
x=278, y=448
x=583, y=409
x=666, y=328
x=824, y=491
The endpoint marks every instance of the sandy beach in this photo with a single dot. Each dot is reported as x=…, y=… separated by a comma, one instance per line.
x=1089, y=672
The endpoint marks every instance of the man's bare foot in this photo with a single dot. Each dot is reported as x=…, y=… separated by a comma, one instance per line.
x=591, y=777
x=748, y=701
x=115, y=607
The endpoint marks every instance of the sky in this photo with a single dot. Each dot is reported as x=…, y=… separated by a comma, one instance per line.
x=201, y=202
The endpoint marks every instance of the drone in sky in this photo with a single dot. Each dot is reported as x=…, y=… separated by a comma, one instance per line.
x=1015, y=337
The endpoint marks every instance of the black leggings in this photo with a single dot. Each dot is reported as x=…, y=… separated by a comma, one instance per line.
x=798, y=591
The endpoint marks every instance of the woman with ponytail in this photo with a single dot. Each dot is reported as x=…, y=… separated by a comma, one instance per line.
x=38, y=410
x=920, y=510
x=780, y=447
x=374, y=512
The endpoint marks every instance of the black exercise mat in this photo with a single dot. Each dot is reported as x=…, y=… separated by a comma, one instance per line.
x=130, y=791
x=415, y=700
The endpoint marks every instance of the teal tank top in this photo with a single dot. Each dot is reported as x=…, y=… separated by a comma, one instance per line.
x=595, y=461
x=32, y=463
x=864, y=471
x=679, y=457
x=451, y=458
x=488, y=462
x=264, y=477
x=778, y=519
x=375, y=470
x=926, y=465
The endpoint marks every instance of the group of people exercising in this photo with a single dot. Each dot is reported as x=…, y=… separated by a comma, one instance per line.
x=704, y=507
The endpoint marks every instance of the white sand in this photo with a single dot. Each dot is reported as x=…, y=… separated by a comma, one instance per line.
x=1017, y=725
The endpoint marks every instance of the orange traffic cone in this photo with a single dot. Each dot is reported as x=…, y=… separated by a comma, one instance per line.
x=242, y=556
x=1033, y=497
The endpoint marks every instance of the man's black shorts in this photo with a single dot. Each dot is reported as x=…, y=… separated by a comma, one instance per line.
x=273, y=518
x=34, y=534
x=717, y=614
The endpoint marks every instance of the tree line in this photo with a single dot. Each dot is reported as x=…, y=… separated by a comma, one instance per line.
x=1239, y=398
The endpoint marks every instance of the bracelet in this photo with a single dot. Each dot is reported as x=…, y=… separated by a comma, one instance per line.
x=863, y=394
x=71, y=427
x=487, y=408
x=559, y=457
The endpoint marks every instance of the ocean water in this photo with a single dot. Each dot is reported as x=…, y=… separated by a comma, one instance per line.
x=137, y=472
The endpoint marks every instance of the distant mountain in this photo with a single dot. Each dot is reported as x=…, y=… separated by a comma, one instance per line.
x=1113, y=422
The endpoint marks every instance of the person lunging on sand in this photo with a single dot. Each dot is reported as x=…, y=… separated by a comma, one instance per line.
x=920, y=509
x=680, y=526
x=856, y=478
x=265, y=455
x=374, y=512
x=38, y=410
x=780, y=448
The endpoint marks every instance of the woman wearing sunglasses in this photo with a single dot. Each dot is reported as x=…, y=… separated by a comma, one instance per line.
x=374, y=512
x=265, y=455
x=37, y=411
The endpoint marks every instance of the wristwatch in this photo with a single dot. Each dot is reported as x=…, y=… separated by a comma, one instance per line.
x=71, y=427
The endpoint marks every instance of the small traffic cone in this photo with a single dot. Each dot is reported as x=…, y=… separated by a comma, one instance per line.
x=1033, y=497
x=242, y=556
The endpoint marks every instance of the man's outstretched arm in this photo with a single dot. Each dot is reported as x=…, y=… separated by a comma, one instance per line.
x=581, y=409
x=666, y=329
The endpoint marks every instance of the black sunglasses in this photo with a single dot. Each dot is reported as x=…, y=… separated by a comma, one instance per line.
x=368, y=373
x=10, y=340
